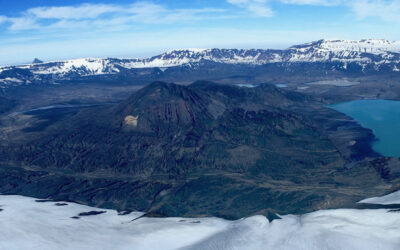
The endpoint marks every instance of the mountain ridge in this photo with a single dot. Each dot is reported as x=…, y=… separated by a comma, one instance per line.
x=371, y=55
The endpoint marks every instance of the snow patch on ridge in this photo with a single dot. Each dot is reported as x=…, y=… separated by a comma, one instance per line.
x=87, y=66
x=393, y=198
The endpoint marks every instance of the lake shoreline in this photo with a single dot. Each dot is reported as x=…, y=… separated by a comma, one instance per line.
x=381, y=117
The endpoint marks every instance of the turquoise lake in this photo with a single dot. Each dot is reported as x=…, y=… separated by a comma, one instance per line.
x=382, y=117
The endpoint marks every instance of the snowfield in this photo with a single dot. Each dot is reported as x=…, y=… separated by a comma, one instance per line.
x=27, y=224
x=393, y=198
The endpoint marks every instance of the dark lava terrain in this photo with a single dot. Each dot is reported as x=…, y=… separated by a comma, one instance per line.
x=204, y=149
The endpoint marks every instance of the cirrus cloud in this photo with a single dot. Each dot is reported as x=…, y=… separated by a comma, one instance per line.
x=387, y=10
x=256, y=7
x=3, y=19
x=73, y=12
x=312, y=2
x=92, y=15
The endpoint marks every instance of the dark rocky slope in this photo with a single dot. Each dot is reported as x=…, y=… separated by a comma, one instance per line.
x=198, y=150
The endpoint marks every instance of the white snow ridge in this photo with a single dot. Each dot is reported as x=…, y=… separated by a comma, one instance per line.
x=26, y=224
x=393, y=198
x=368, y=51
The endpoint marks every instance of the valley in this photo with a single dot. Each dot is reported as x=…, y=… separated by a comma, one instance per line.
x=71, y=165
x=257, y=139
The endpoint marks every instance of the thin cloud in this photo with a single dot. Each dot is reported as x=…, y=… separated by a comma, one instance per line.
x=386, y=10
x=83, y=11
x=259, y=8
x=22, y=23
x=92, y=15
x=108, y=16
x=313, y=2
x=148, y=12
x=3, y=19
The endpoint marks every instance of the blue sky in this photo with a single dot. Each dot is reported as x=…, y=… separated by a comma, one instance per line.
x=55, y=29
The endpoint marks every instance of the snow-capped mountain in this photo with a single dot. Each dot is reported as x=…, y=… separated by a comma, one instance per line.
x=366, y=54
x=370, y=51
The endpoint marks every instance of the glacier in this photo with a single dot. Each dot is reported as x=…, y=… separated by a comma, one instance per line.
x=26, y=223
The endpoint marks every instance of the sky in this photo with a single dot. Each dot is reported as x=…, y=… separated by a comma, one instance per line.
x=55, y=29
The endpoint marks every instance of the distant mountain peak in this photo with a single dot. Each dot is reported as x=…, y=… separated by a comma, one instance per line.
x=195, y=50
x=36, y=60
